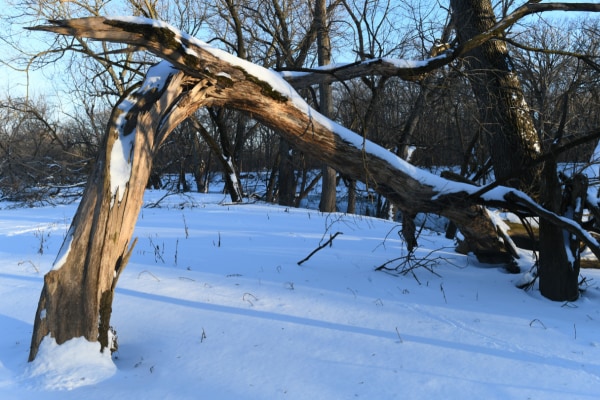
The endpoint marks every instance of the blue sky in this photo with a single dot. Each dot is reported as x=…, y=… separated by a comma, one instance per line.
x=41, y=82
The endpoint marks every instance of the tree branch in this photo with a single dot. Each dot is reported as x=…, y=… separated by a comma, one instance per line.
x=515, y=198
x=321, y=247
x=415, y=70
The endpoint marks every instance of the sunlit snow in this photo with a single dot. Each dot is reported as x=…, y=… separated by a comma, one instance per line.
x=71, y=365
x=213, y=305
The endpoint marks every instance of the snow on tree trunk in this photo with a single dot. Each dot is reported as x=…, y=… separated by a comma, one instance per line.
x=559, y=261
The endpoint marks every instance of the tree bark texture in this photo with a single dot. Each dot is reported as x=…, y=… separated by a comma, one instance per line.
x=505, y=117
x=513, y=141
x=559, y=262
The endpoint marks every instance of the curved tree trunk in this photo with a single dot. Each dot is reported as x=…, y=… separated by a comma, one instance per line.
x=78, y=292
x=76, y=299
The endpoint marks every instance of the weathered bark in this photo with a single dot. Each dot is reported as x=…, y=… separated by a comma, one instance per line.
x=77, y=295
x=513, y=141
x=505, y=116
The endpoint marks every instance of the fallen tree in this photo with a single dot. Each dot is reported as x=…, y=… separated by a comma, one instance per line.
x=77, y=295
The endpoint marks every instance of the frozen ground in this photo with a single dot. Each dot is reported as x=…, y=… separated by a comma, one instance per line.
x=213, y=305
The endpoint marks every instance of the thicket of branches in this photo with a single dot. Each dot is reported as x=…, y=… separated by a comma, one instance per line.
x=45, y=149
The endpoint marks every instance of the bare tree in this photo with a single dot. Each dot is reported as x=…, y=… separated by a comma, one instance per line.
x=40, y=157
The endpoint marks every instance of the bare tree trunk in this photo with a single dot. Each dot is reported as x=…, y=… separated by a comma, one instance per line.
x=513, y=140
x=351, y=187
x=328, y=185
x=558, y=271
x=232, y=183
x=505, y=116
x=328, y=190
x=198, y=164
x=76, y=299
x=270, y=193
x=286, y=174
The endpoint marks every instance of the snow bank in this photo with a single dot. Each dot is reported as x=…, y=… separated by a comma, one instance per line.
x=73, y=364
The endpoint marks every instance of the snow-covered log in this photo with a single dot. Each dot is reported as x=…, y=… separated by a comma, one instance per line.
x=414, y=70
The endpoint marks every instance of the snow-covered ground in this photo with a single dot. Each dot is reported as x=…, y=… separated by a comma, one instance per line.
x=213, y=305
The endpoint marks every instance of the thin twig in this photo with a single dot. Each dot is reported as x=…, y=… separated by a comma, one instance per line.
x=149, y=273
x=399, y=337
x=443, y=293
x=538, y=321
x=327, y=243
x=247, y=297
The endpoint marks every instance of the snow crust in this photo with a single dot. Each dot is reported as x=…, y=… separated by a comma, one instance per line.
x=73, y=364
